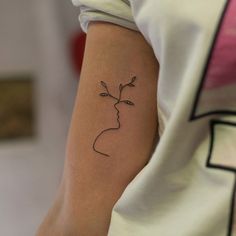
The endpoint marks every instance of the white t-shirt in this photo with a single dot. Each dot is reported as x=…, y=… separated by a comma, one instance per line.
x=188, y=186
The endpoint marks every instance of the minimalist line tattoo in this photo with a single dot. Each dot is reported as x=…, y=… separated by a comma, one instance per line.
x=118, y=100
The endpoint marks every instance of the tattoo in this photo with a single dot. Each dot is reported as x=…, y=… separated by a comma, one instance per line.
x=118, y=100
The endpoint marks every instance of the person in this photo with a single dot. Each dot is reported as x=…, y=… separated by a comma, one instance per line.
x=151, y=147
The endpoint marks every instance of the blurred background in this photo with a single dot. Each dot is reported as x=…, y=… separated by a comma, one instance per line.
x=41, y=49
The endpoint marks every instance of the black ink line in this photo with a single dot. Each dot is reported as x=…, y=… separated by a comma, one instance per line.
x=121, y=87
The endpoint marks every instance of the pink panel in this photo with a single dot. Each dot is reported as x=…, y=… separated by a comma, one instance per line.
x=222, y=66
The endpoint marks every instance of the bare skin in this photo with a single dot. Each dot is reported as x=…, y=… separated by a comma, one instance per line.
x=92, y=182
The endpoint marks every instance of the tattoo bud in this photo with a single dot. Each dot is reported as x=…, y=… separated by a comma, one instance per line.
x=128, y=102
x=120, y=87
x=103, y=94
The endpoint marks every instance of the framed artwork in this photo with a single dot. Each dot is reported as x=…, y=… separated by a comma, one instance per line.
x=17, y=116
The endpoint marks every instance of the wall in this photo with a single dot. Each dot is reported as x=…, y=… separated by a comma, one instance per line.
x=34, y=38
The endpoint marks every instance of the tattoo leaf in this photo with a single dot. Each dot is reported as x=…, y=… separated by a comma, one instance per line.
x=131, y=85
x=128, y=102
x=103, y=84
x=133, y=78
x=103, y=94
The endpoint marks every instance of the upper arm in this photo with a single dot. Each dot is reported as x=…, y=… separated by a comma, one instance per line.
x=92, y=182
x=111, y=137
x=114, y=54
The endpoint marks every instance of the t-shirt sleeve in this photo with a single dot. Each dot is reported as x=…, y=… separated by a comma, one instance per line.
x=113, y=11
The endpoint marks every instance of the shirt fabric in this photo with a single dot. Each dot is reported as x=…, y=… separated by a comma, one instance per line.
x=188, y=186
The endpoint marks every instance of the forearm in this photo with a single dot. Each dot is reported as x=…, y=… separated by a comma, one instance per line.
x=109, y=141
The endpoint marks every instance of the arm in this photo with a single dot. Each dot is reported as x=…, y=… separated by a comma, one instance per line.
x=110, y=139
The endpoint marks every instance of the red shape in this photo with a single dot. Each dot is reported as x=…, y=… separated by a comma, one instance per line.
x=77, y=50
